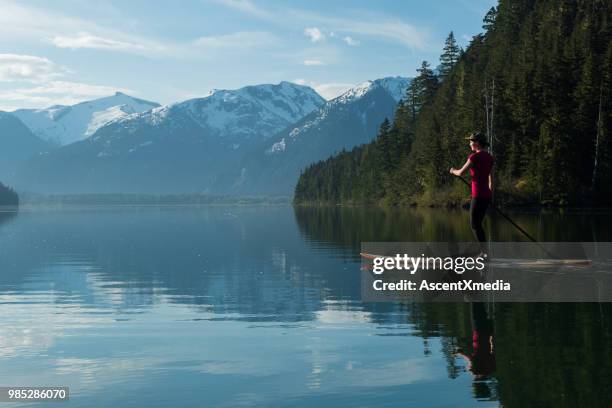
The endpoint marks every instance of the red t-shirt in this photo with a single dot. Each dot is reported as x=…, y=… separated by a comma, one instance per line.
x=482, y=163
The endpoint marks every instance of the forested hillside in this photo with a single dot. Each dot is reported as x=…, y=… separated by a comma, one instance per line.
x=537, y=82
x=8, y=196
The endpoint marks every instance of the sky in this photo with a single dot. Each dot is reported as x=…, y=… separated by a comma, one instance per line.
x=67, y=51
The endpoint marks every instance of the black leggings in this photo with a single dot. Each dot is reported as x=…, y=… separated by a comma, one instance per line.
x=478, y=210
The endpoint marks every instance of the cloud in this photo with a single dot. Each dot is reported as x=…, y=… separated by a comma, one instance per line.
x=19, y=21
x=382, y=26
x=247, y=6
x=86, y=40
x=310, y=63
x=386, y=28
x=327, y=90
x=315, y=34
x=332, y=90
x=37, y=82
x=241, y=39
x=54, y=93
x=29, y=68
x=350, y=41
x=75, y=89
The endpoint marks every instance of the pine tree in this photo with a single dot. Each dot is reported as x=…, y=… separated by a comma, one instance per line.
x=602, y=167
x=426, y=84
x=450, y=55
x=489, y=19
x=385, y=145
x=411, y=101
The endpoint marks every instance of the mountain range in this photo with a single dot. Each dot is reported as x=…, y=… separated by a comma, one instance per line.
x=351, y=119
x=253, y=140
x=63, y=125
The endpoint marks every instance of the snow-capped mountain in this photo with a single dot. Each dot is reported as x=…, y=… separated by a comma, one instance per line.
x=176, y=148
x=357, y=100
x=63, y=125
x=363, y=100
x=233, y=116
x=394, y=86
x=351, y=119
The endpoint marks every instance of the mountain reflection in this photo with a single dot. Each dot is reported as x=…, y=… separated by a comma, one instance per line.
x=233, y=263
x=284, y=271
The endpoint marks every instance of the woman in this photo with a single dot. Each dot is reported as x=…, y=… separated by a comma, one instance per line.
x=480, y=164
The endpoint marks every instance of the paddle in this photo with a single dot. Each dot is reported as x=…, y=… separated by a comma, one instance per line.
x=518, y=227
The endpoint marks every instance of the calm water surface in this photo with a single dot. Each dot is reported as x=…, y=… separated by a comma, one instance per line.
x=260, y=306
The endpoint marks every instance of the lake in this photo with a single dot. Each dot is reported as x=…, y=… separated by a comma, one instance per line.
x=221, y=306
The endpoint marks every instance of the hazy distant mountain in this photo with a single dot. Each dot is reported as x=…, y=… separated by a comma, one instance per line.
x=17, y=143
x=67, y=124
x=351, y=119
x=178, y=148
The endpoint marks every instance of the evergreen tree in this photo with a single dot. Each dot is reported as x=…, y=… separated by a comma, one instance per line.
x=427, y=83
x=411, y=100
x=450, y=55
x=385, y=145
x=601, y=178
x=489, y=19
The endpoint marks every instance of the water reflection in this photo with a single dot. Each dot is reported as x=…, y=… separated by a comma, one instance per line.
x=261, y=306
x=481, y=360
x=517, y=354
x=347, y=227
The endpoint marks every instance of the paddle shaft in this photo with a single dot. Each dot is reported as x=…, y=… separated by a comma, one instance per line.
x=518, y=227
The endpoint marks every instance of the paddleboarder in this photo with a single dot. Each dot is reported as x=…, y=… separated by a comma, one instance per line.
x=480, y=164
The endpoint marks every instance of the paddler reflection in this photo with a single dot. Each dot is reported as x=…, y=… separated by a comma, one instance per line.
x=481, y=362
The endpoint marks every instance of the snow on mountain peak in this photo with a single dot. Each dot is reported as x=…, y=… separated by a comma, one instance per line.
x=395, y=86
x=249, y=111
x=233, y=119
x=101, y=118
x=67, y=124
x=355, y=92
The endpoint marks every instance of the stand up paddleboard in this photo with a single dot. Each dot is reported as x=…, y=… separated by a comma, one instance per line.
x=519, y=263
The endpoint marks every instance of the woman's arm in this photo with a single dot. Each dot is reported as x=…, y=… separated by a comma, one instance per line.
x=491, y=181
x=459, y=172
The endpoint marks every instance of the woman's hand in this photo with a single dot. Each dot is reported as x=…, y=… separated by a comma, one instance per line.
x=459, y=172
